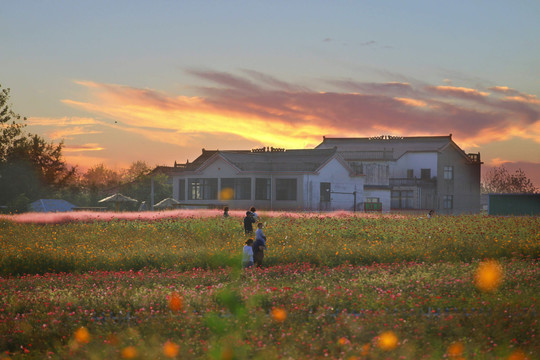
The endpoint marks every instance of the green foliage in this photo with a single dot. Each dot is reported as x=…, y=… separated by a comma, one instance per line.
x=28, y=164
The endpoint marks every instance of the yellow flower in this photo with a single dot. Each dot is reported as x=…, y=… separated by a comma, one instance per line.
x=489, y=276
x=278, y=314
x=226, y=194
x=387, y=340
x=82, y=335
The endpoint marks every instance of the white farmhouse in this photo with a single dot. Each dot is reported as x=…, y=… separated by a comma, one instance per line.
x=383, y=173
x=418, y=172
x=269, y=179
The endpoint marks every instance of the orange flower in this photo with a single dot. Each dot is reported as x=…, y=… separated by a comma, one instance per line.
x=129, y=352
x=175, y=302
x=82, y=335
x=278, y=314
x=518, y=355
x=455, y=350
x=387, y=340
x=489, y=276
x=342, y=341
x=170, y=349
x=365, y=349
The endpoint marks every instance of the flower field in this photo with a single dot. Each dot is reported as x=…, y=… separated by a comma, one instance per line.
x=336, y=286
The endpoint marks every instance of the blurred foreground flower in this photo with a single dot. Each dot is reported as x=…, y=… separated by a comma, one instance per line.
x=278, y=314
x=226, y=194
x=170, y=349
x=82, y=335
x=175, y=302
x=489, y=276
x=387, y=340
x=129, y=352
x=455, y=350
x=518, y=355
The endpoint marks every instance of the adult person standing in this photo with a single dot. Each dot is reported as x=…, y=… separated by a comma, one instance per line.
x=248, y=223
x=259, y=245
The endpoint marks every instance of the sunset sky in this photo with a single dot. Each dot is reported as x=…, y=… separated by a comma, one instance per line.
x=121, y=81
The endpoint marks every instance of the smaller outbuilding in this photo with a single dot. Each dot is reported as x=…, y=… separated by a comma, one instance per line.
x=51, y=205
x=514, y=204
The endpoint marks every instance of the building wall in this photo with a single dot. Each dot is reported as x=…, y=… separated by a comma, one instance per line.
x=464, y=187
x=341, y=182
x=307, y=188
x=415, y=161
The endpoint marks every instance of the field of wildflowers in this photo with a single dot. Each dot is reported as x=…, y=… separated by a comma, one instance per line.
x=337, y=286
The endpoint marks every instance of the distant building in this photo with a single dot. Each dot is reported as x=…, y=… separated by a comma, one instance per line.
x=421, y=172
x=51, y=205
x=380, y=173
x=270, y=179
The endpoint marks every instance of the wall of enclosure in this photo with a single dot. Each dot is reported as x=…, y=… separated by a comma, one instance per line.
x=514, y=204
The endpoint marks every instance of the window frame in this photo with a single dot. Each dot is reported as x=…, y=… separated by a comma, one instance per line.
x=448, y=173
x=241, y=187
x=263, y=186
x=203, y=188
x=286, y=192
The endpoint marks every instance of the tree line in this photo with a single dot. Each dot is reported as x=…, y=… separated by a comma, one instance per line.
x=33, y=168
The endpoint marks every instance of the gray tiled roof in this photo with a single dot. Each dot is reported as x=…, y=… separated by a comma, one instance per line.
x=308, y=160
x=392, y=148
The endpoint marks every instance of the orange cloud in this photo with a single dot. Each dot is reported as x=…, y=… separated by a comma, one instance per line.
x=84, y=147
x=63, y=121
x=459, y=90
x=271, y=112
x=413, y=102
x=69, y=133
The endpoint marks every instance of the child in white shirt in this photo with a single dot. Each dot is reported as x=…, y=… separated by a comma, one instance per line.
x=247, y=260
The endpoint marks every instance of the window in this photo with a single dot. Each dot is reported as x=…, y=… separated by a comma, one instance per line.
x=182, y=189
x=325, y=192
x=410, y=173
x=448, y=172
x=202, y=189
x=448, y=202
x=285, y=189
x=241, y=187
x=402, y=199
x=263, y=189
x=425, y=173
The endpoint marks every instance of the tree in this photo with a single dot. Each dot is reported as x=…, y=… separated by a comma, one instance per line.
x=29, y=165
x=100, y=176
x=136, y=170
x=11, y=132
x=499, y=180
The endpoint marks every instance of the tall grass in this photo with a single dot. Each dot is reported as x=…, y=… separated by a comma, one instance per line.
x=211, y=241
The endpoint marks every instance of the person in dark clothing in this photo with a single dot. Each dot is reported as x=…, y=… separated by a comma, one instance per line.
x=248, y=223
